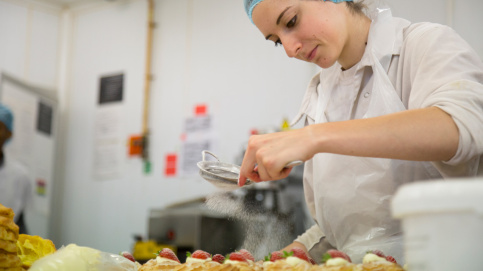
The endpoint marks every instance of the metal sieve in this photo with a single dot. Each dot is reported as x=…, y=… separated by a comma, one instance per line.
x=224, y=175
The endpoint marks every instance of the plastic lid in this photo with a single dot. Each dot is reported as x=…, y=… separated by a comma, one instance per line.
x=455, y=195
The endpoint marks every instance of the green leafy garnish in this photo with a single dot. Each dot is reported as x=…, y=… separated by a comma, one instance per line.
x=326, y=257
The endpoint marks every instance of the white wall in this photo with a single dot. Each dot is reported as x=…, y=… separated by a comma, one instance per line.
x=201, y=55
x=462, y=15
x=29, y=35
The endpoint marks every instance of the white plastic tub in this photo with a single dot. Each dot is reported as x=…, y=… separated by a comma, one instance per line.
x=442, y=223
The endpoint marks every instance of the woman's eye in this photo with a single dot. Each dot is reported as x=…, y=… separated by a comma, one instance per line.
x=278, y=42
x=292, y=22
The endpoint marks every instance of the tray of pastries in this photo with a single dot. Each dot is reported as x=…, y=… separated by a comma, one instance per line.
x=296, y=260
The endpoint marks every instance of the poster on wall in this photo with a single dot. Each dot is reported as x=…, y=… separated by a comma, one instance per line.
x=111, y=88
x=199, y=135
x=108, y=148
x=44, y=118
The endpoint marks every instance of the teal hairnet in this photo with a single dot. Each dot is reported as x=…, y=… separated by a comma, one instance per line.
x=250, y=5
x=6, y=117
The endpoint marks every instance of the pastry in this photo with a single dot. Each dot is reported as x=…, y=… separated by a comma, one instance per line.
x=8, y=241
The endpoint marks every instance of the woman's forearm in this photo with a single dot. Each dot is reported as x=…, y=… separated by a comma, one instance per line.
x=428, y=134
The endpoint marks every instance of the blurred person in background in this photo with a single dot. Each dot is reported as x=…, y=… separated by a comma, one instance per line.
x=15, y=185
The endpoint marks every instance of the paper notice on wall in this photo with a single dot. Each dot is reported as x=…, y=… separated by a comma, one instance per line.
x=199, y=125
x=107, y=143
x=199, y=136
x=191, y=155
x=106, y=160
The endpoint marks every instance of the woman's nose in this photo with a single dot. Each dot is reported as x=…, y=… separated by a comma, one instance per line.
x=291, y=45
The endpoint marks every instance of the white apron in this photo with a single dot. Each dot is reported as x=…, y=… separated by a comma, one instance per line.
x=352, y=194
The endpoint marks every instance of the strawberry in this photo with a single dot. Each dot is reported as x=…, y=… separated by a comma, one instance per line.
x=168, y=254
x=276, y=255
x=333, y=253
x=390, y=259
x=378, y=253
x=128, y=256
x=299, y=253
x=247, y=254
x=237, y=256
x=199, y=254
x=218, y=258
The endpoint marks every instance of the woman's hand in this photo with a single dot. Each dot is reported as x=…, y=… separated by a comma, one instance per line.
x=295, y=245
x=267, y=155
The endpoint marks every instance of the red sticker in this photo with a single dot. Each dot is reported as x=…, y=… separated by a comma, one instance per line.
x=171, y=162
x=200, y=110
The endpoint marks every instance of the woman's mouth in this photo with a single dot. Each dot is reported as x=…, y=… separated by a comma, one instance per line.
x=312, y=54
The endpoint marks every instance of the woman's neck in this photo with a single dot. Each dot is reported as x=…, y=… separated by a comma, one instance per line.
x=356, y=42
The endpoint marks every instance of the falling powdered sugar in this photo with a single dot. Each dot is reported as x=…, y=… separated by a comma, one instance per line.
x=265, y=230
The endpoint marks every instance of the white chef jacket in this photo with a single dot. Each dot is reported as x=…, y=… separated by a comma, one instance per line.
x=430, y=66
x=15, y=187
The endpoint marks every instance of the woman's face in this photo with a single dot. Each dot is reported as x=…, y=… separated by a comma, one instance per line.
x=313, y=31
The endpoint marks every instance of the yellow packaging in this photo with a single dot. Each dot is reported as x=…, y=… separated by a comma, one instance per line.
x=145, y=250
x=31, y=248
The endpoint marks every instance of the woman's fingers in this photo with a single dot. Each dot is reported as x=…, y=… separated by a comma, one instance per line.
x=241, y=181
x=253, y=176
x=267, y=155
x=263, y=173
x=247, y=169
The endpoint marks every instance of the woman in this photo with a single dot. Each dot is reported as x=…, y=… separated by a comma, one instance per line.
x=394, y=102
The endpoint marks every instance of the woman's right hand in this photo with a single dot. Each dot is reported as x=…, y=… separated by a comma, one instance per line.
x=267, y=155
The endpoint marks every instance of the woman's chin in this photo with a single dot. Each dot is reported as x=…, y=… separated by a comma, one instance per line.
x=325, y=64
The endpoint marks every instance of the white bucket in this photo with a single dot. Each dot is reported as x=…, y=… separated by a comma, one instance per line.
x=442, y=223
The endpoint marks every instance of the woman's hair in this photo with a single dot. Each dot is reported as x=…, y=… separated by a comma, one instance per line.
x=357, y=7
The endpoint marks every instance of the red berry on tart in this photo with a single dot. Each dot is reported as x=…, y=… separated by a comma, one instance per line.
x=168, y=254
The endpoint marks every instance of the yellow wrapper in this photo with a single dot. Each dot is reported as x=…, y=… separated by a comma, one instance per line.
x=31, y=248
